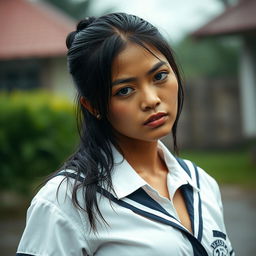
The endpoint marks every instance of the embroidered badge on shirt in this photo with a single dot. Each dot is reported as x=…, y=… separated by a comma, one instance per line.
x=219, y=245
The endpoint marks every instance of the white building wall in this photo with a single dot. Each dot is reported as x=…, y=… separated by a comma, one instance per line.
x=248, y=88
x=60, y=79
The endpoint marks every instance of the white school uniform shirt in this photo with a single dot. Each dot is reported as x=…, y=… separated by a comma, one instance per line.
x=55, y=227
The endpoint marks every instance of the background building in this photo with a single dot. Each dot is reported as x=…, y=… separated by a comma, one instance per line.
x=240, y=20
x=32, y=47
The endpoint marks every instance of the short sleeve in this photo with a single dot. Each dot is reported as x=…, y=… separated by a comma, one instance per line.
x=50, y=232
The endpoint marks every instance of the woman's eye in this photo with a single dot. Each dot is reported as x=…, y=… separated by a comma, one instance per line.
x=124, y=91
x=160, y=76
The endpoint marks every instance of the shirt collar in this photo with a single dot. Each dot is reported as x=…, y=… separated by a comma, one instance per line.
x=126, y=180
x=174, y=167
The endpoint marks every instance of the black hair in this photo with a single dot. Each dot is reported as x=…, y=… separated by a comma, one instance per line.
x=91, y=51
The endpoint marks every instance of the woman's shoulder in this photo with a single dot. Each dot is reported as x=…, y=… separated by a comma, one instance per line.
x=56, y=195
x=53, y=223
x=55, y=190
x=55, y=200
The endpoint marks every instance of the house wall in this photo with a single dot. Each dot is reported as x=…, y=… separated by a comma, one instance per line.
x=35, y=73
x=20, y=74
x=56, y=77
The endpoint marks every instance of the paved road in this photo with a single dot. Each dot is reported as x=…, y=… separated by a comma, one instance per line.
x=239, y=212
x=240, y=219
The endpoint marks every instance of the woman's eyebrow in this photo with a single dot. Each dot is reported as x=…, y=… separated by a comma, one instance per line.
x=156, y=67
x=132, y=79
x=124, y=81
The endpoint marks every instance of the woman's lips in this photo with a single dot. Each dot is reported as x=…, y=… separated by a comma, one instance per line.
x=156, y=120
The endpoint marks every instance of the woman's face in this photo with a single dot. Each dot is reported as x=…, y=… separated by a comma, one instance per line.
x=143, y=105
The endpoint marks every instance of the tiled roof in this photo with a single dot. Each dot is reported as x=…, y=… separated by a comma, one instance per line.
x=32, y=29
x=237, y=19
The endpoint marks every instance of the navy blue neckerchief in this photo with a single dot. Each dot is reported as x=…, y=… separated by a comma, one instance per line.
x=187, y=192
x=141, y=197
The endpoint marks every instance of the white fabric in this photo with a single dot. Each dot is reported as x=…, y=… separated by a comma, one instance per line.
x=55, y=227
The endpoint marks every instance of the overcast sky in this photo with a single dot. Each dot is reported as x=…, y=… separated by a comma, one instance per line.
x=174, y=18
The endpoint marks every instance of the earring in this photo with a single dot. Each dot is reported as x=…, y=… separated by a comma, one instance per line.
x=98, y=116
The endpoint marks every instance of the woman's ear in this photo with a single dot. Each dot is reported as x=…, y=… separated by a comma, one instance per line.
x=86, y=104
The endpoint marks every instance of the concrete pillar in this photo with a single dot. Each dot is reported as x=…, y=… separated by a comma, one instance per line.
x=248, y=87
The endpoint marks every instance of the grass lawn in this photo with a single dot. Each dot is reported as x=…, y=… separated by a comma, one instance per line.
x=227, y=167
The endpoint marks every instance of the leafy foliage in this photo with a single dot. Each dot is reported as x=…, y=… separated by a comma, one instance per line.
x=37, y=133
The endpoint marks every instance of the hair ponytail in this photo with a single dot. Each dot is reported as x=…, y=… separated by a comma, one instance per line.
x=82, y=24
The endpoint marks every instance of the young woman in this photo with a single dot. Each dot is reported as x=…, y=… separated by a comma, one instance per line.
x=123, y=193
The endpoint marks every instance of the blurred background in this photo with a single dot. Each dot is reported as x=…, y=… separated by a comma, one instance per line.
x=215, y=45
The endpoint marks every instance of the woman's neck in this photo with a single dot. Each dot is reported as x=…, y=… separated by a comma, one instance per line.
x=142, y=156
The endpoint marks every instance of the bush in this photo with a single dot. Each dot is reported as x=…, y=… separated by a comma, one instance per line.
x=37, y=133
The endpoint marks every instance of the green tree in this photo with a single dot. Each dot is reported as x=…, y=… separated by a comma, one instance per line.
x=211, y=57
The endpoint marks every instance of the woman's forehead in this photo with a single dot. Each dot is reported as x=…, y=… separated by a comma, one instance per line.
x=134, y=55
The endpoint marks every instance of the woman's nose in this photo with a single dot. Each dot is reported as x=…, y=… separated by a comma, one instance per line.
x=149, y=99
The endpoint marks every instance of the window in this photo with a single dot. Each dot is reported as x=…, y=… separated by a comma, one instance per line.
x=20, y=74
